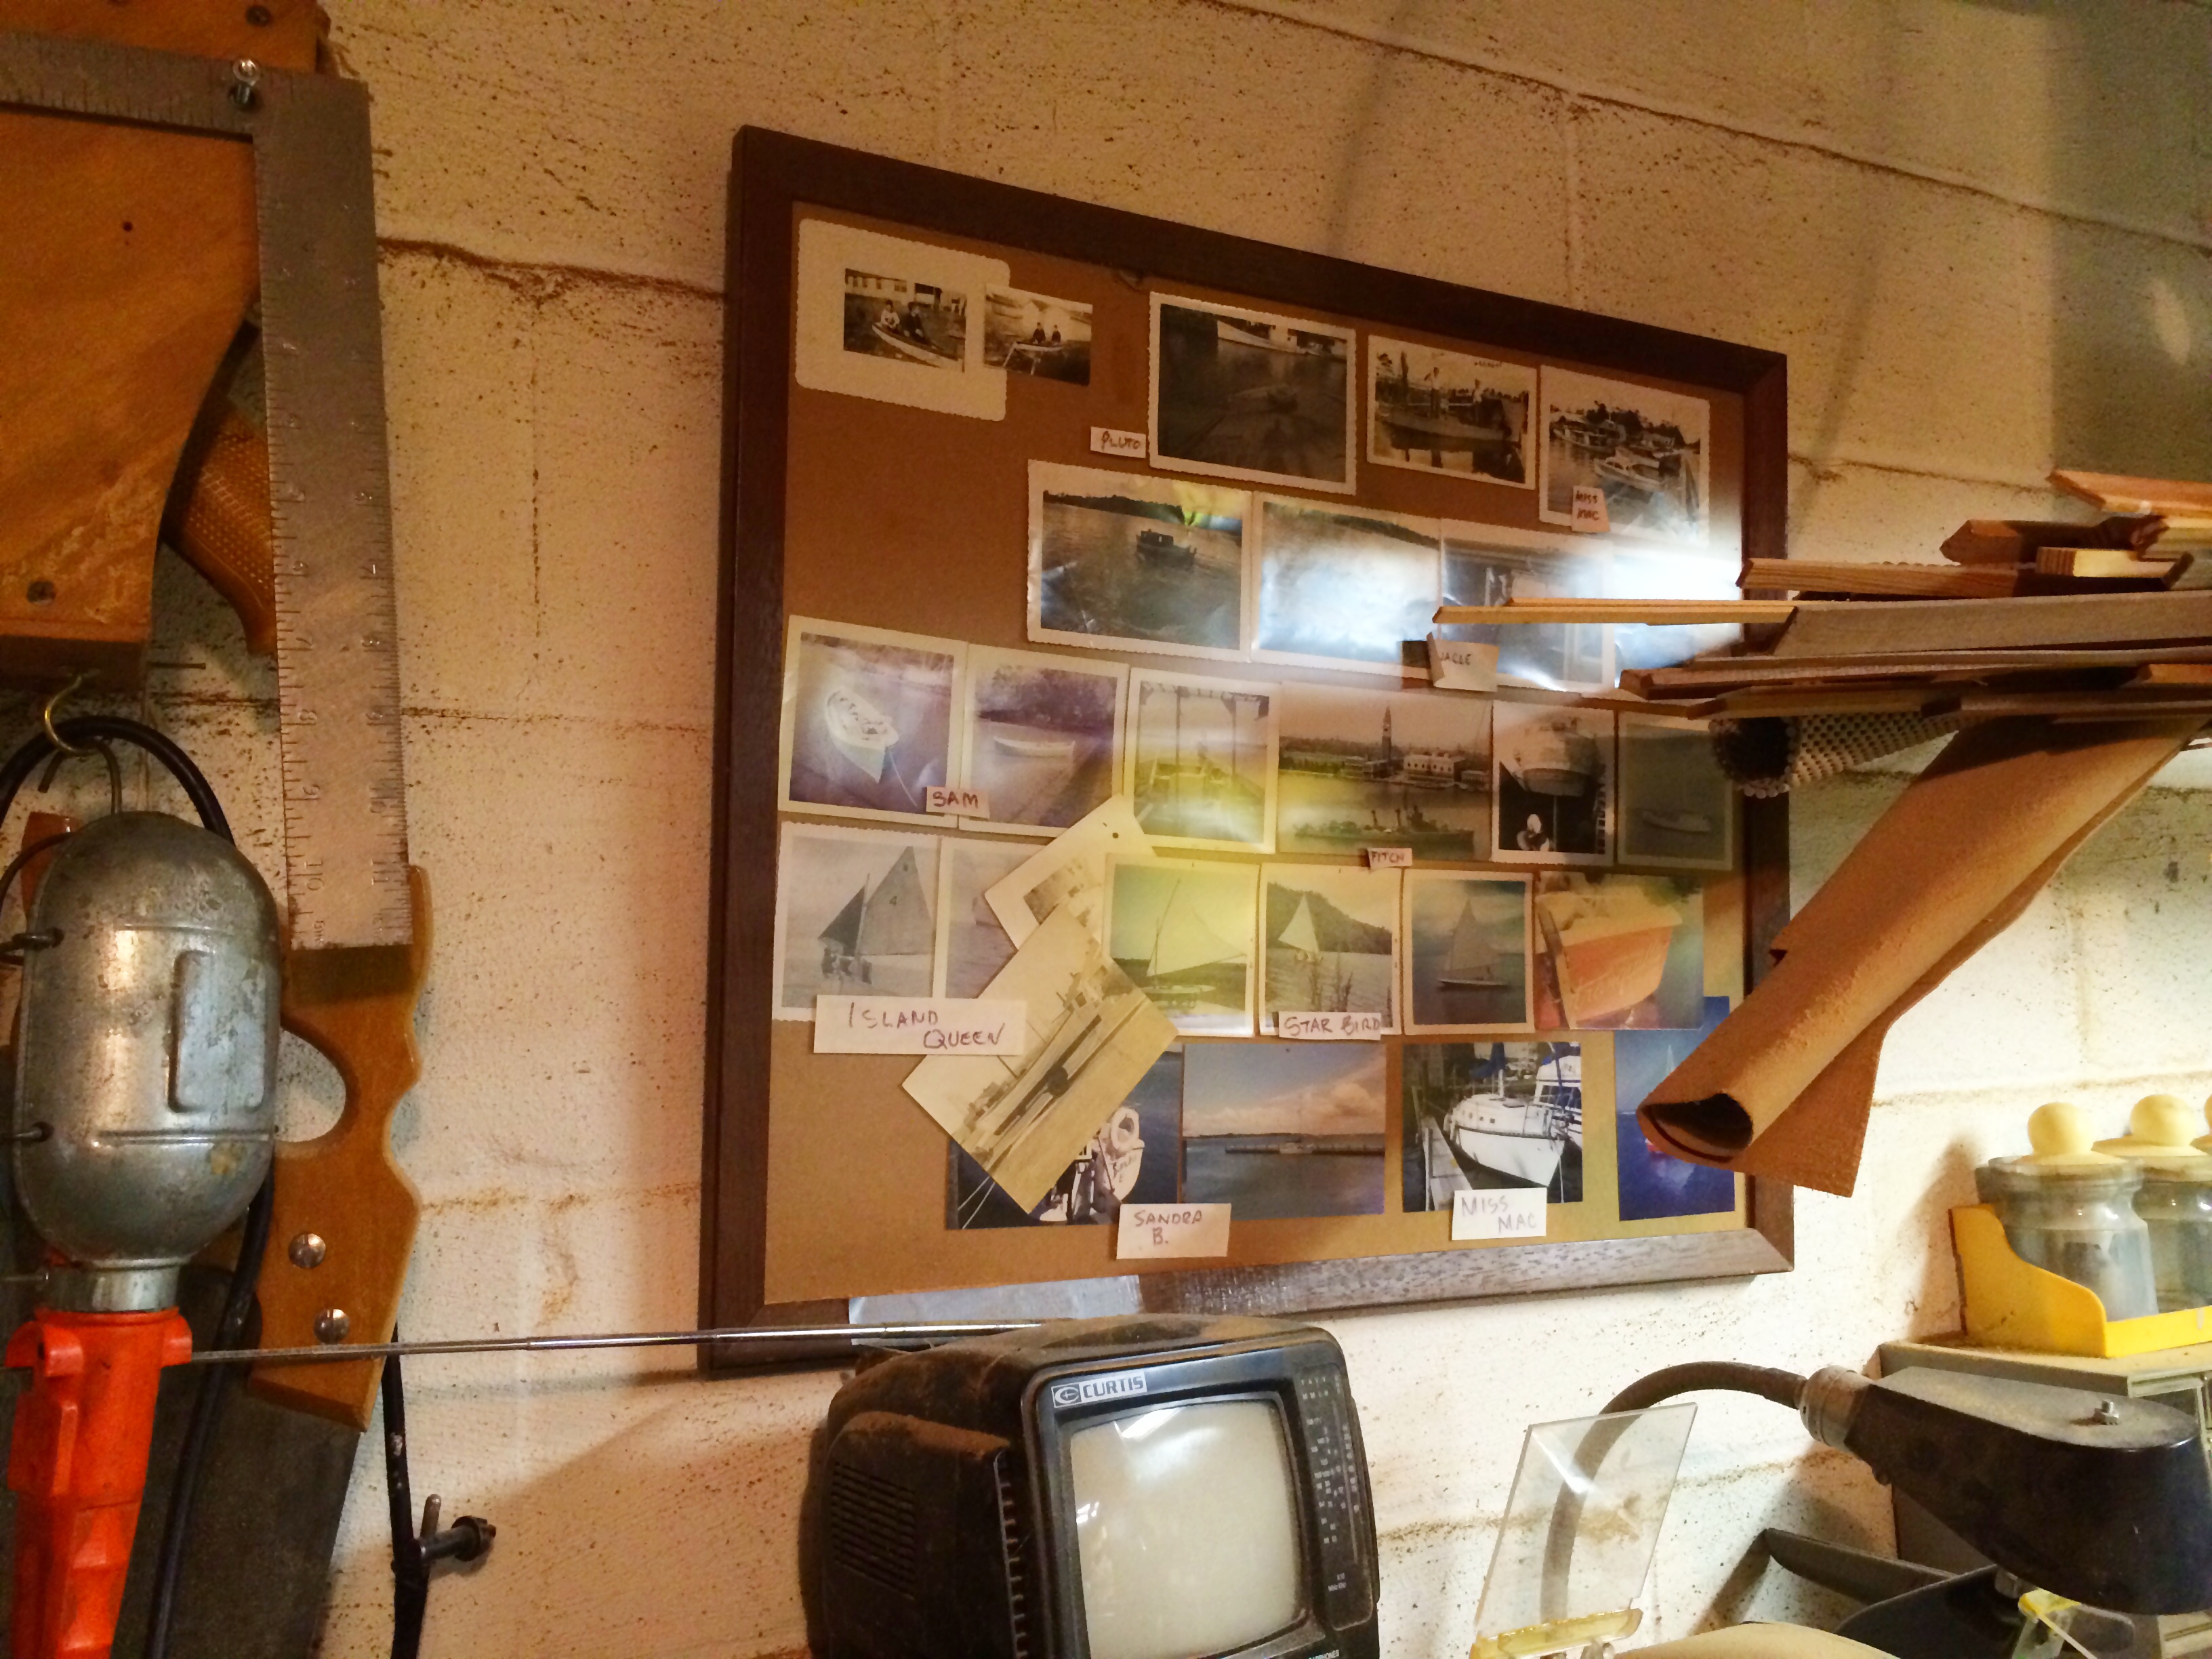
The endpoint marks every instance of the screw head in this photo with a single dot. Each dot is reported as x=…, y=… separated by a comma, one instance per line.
x=332, y=1324
x=308, y=1250
x=260, y=16
x=245, y=80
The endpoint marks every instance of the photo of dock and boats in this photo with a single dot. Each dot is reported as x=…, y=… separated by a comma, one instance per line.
x=1444, y=411
x=1374, y=768
x=1645, y=448
x=1489, y=1115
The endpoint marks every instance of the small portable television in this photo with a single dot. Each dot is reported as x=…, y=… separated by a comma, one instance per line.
x=1138, y=1488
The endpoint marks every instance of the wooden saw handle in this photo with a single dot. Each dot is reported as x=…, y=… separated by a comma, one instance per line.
x=220, y=520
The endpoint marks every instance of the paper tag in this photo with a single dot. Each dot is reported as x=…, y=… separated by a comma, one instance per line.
x=1497, y=1213
x=1173, y=1229
x=918, y=1025
x=1463, y=664
x=1333, y=1027
x=1105, y=440
x=1389, y=858
x=1589, y=511
x=960, y=802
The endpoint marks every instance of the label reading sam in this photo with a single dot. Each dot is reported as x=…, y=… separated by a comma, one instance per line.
x=1498, y=1212
x=918, y=1025
x=1173, y=1229
x=959, y=802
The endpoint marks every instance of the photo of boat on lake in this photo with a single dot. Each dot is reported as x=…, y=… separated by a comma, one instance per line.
x=1645, y=448
x=893, y=319
x=1552, y=784
x=1357, y=769
x=1247, y=394
x=1044, y=738
x=1655, y=1185
x=1283, y=1129
x=1129, y=559
x=1185, y=932
x=1465, y=944
x=1486, y=1116
x=1436, y=410
x=913, y=322
x=1199, y=762
x=1483, y=564
x=1343, y=588
x=1135, y=1158
x=1036, y=335
x=854, y=916
x=868, y=721
x=972, y=944
x=1619, y=952
x=1678, y=809
x=1331, y=936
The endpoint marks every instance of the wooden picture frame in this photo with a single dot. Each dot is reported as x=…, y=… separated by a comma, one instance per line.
x=774, y=174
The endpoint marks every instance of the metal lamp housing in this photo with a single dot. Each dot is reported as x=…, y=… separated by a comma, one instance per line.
x=145, y=1104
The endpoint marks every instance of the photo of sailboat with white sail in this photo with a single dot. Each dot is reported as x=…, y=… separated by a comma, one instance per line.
x=1185, y=932
x=1499, y=1114
x=1332, y=941
x=1466, y=949
x=868, y=719
x=855, y=914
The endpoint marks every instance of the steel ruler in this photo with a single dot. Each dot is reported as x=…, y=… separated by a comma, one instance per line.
x=337, y=653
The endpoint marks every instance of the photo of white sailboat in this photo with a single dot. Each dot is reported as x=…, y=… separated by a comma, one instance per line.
x=856, y=914
x=1500, y=1114
x=1330, y=938
x=1185, y=932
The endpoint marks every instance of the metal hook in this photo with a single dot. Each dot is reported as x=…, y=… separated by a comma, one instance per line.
x=107, y=752
x=46, y=714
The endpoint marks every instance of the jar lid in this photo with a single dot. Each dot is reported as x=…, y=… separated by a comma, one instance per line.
x=2060, y=1135
x=2158, y=1137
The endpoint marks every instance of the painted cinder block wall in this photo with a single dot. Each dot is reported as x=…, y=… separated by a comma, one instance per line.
x=1978, y=231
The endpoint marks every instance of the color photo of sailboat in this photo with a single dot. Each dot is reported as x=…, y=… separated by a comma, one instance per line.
x=1498, y=1115
x=1466, y=951
x=1184, y=932
x=1332, y=937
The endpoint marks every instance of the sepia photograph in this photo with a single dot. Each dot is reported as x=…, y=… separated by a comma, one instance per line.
x=971, y=943
x=1619, y=952
x=894, y=319
x=1552, y=784
x=1091, y=1035
x=1284, y=1129
x=1246, y=394
x=1136, y=1158
x=1130, y=559
x=1654, y=1185
x=1044, y=738
x=1486, y=1115
x=1678, y=809
x=869, y=719
x=1338, y=587
x=1357, y=769
x=1069, y=872
x=1480, y=567
x=1465, y=944
x=853, y=915
x=1331, y=940
x=1037, y=335
x=1436, y=410
x=1199, y=762
x=1185, y=931
x=1644, y=449
x=890, y=316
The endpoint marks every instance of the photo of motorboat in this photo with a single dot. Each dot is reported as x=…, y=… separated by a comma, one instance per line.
x=1553, y=792
x=859, y=731
x=1043, y=749
x=1616, y=951
x=1159, y=547
x=1445, y=411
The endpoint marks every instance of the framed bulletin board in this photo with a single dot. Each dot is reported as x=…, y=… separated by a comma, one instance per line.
x=1134, y=531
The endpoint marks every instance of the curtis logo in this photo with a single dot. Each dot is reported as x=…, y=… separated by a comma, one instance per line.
x=1097, y=1388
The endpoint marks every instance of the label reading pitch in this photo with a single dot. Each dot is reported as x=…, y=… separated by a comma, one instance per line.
x=1173, y=1229
x=1503, y=1213
x=1330, y=1027
x=960, y=802
x=1589, y=511
x=918, y=1025
x=1105, y=440
x=1389, y=858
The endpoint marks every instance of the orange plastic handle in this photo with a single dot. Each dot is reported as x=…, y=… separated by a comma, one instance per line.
x=77, y=1466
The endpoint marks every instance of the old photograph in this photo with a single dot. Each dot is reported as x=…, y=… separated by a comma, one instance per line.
x=1199, y=760
x=1436, y=410
x=1330, y=932
x=1136, y=1158
x=1552, y=784
x=1654, y=1185
x=1044, y=738
x=1343, y=588
x=891, y=316
x=1070, y=873
x=894, y=319
x=1036, y=334
x=1379, y=769
x=1284, y=1129
x=869, y=719
x=1091, y=1034
x=1484, y=565
x=1678, y=809
x=1486, y=1115
x=1619, y=952
x=1646, y=449
x=972, y=944
x=854, y=915
x=1185, y=932
x=1134, y=560
x=1247, y=394
x=1465, y=945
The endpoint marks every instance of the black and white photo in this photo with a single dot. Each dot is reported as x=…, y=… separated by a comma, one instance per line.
x=1486, y=564
x=1136, y=1158
x=1184, y=932
x=1486, y=1116
x=1330, y=937
x=1343, y=587
x=1647, y=450
x=1466, y=949
x=1133, y=560
x=1199, y=760
x=871, y=719
x=896, y=320
x=1044, y=738
x=972, y=943
x=911, y=322
x=854, y=915
x=1678, y=809
x=1436, y=410
x=1247, y=394
x=1619, y=952
x=1552, y=785
x=1036, y=335
x=1357, y=769
x=1282, y=1129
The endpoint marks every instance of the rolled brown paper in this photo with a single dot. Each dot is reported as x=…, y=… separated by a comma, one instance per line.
x=1956, y=858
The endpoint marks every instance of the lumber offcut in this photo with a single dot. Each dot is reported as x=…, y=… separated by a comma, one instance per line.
x=2120, y=492
x=2016, y=541
x=1925, y=582
x=1872, y=627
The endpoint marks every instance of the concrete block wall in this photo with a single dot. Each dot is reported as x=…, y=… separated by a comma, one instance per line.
x=1979, y=230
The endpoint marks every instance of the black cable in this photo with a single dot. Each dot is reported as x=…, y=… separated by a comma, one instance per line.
x=410, y=1571
x=84, y=730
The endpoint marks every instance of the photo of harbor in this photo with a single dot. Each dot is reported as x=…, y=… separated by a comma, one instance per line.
x=971, y=943
x=1277, y=1129
x=1043, y=736
x=1331, y=934
x=1443, y=411
x=1552, y=784
x=1466, y=949
x=1556, y=656
x=1491, y=1115
x=1654, y=1186
x=1619, y=952
x=1036, y=334
x=1118, y=558
x=868, y=718
x=855, y=916
x=1200, y=760
x=1136, y=1158
x=1645, y=448
x=1185, y=932
x=908, y=321
x=1249, y=395
x=1678, y=809
x=1340, y=588
x=1377, y=768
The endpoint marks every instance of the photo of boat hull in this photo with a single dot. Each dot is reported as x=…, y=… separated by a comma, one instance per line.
x=1157, y=548
x=904, y=346
x=859, y=731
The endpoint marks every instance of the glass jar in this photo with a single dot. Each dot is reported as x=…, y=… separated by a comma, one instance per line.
x=2077, y=1218
x=2175, y=1202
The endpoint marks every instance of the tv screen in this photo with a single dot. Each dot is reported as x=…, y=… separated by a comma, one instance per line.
x=1187, y=1529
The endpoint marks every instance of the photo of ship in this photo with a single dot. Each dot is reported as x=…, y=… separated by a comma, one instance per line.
x=1136, y=1158
x=1445, y=411
x=1368, y=768
x=1554, y=784
x=1644, y=448
x=1500, y=1114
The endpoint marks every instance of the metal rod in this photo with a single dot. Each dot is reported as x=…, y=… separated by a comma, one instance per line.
x=856, y=1334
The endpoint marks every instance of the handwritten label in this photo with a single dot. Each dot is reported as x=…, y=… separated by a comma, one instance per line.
x=960, y=802
x=1463, y=664
x=1105, y=440
x=1503, y=1212
x=1330, y=1027
x=918, y=1025
x=1389, y=858
x=1173, y=1229
x=1590, y=510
